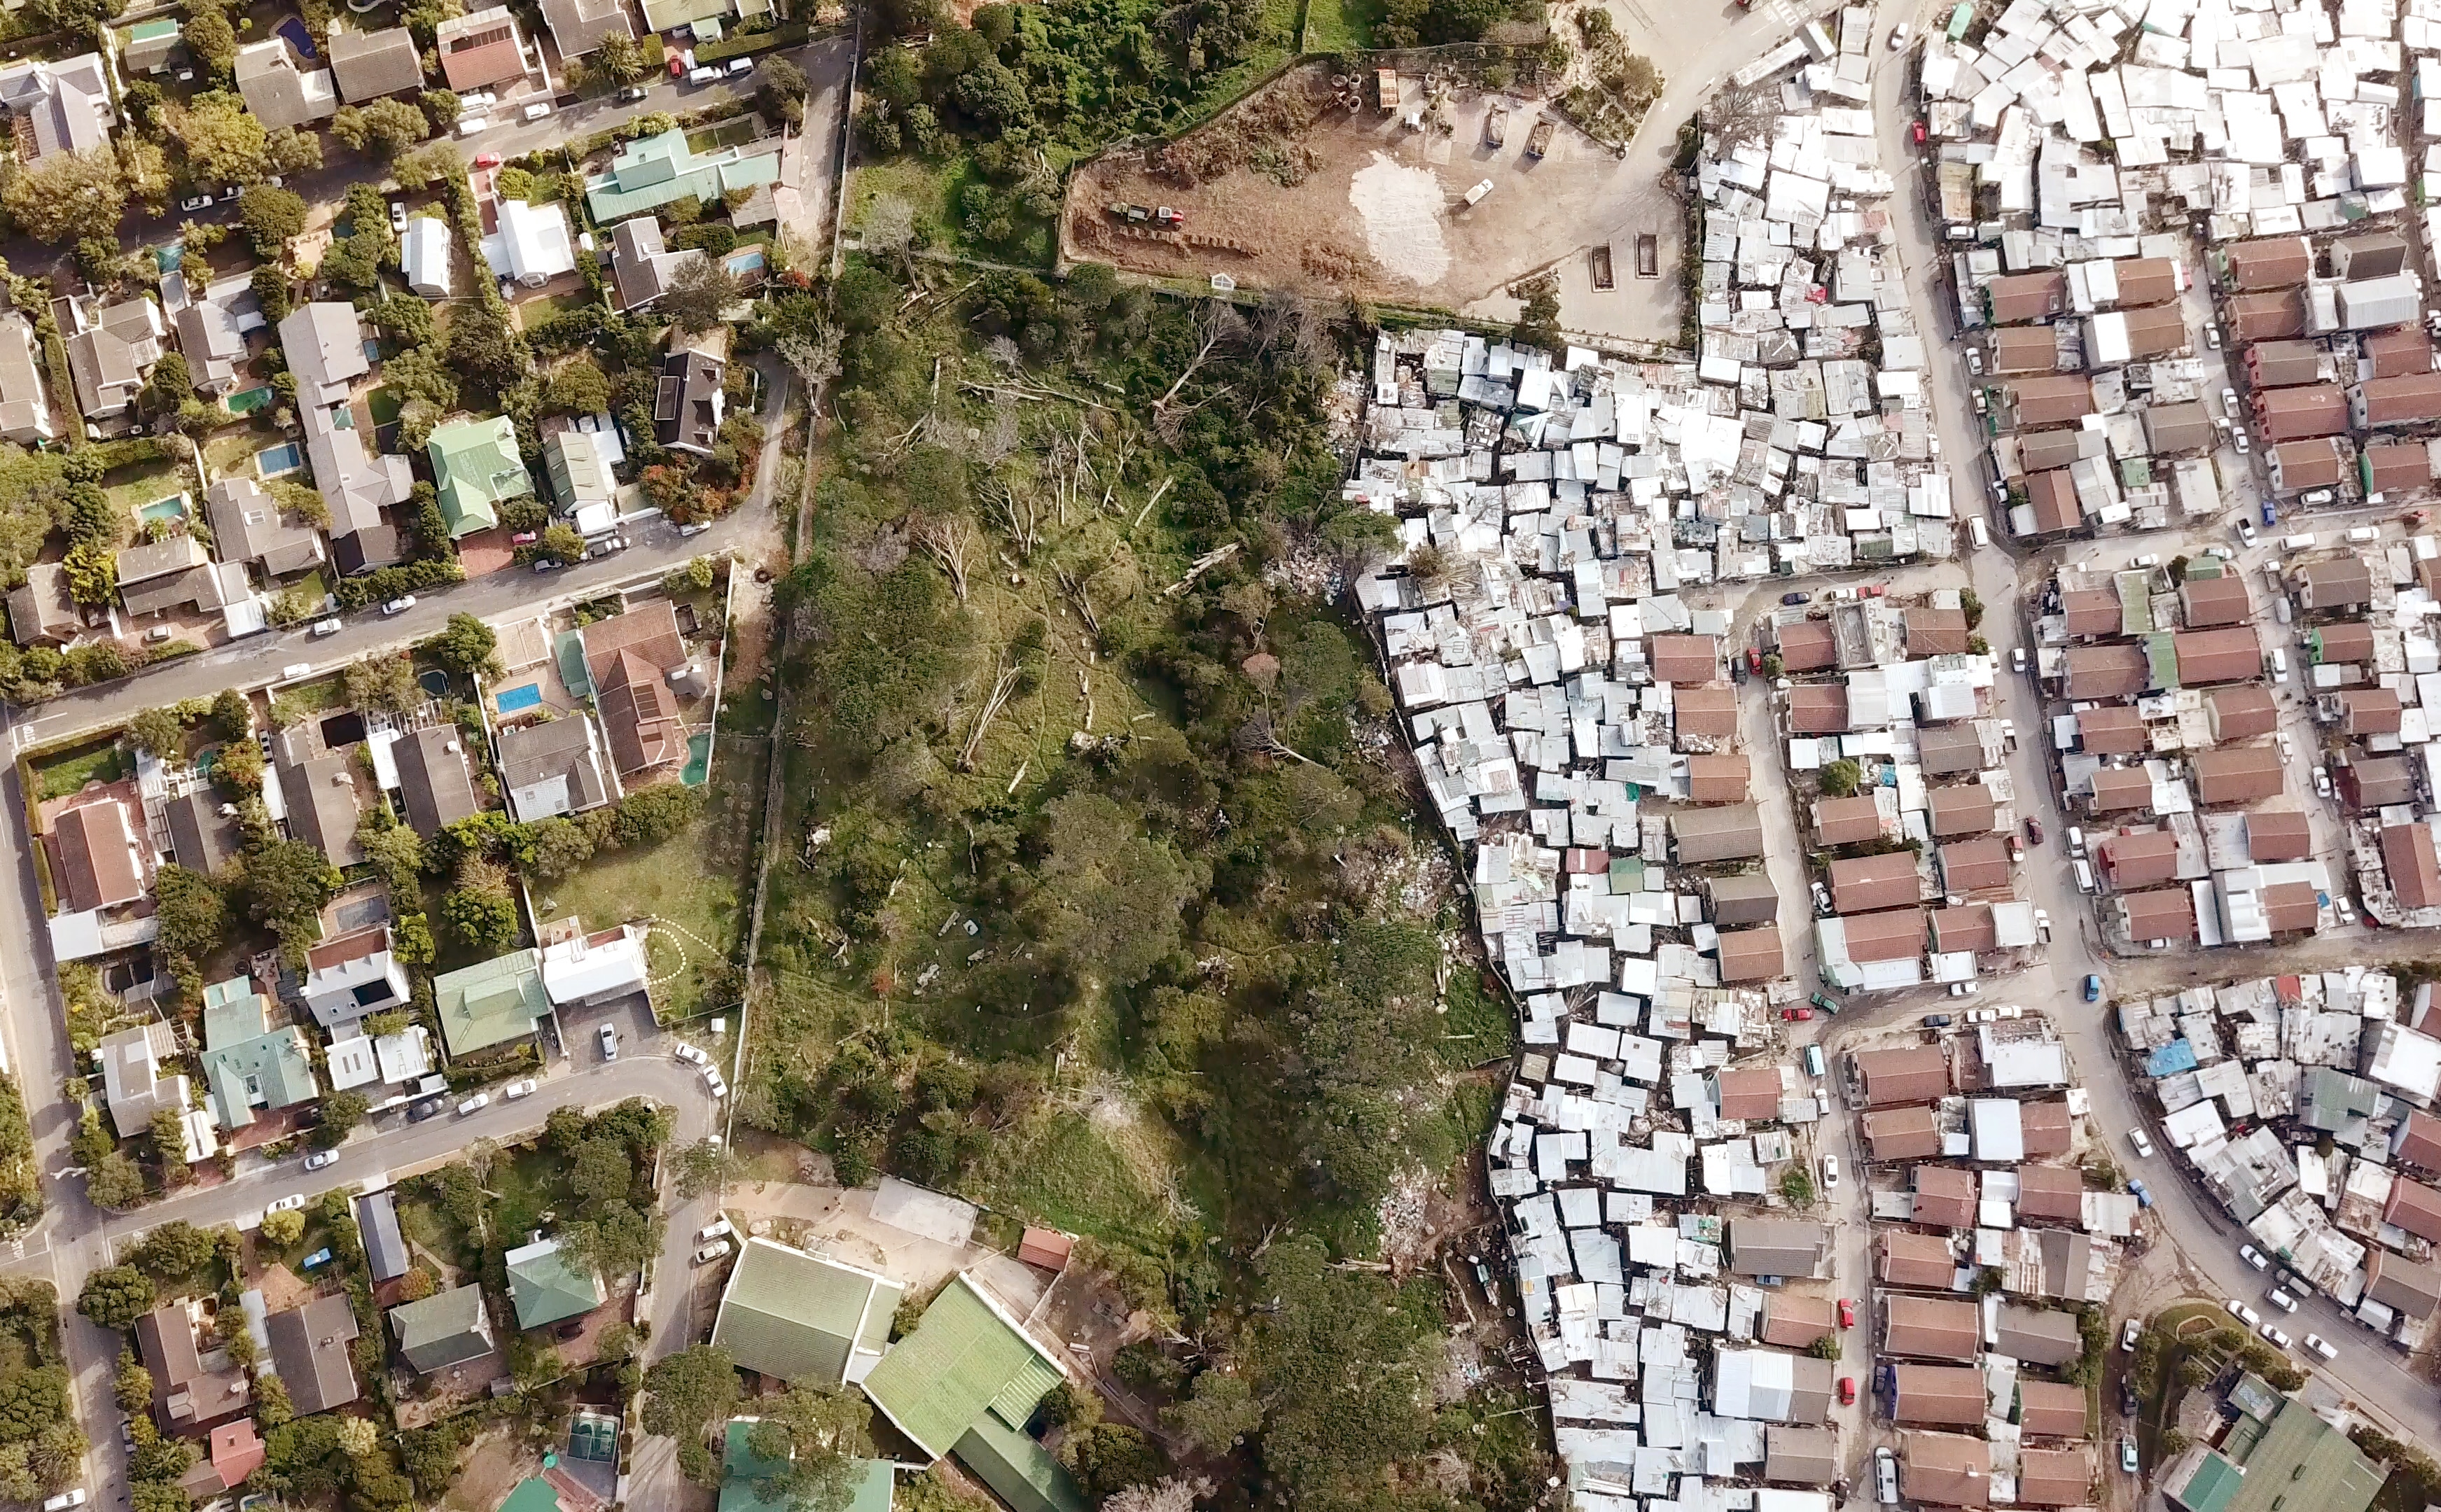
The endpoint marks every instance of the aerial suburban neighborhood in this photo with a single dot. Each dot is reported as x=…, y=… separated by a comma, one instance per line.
x=1087, y=757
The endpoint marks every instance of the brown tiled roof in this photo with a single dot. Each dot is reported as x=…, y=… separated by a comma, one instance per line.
x=2375, y=782
x=2119, y=789
x=1946, y=750
x=1944, y=1197
x=1972, y=865
x=94, y=864
x=1752, y=955
x=2138, y=859
x=2218, y=655
x=1936, y=1328
x=2341, y=640
x=2024, y=349
x=1908, y=1073
x=1709, y=711
x=1808, y=645
x=2399, y=1283
x=1960, y=808
x=1684, y=658
x=2237, y=774
x=2302, y=413
x=2420, y=1141
x=2052, y=497
x=2039, y=451
x=1902, y=1133
x=1731, y=833
x=2288, y=907
x=2394, y=354
x=2278, y=835
x=2050, y=1409
x=2343, y=579
x=2401, y=401
x=1912, y=1259
x=2415, y=871
x=1749, y=1092
x=2242, y=713
x=2107, y=672
x=2046, y=1191
x=2018, y=298
x=1743, y=899
x=2155, y=330
x=1862, y=884
x=2415, y=1207
x=1793, y=1321
x=1895, y=934
x=2052, y=401
x=2261, y=316
x=1846, y=821
x=2390, y=466
x=1818, y=709
x=2054, y=1477
x=1939, y=1394
x=1932, y=632
x=2111, y=730
x=2160, y=913
x=2044, y=1127
x=2369, y=711
x=2209, y=601
x=2304, y=464
x=2283, y=364
x=1717, y=779
x=2090, y=611
x=2146, y=280
x=1965, y=928
x=2268, y=263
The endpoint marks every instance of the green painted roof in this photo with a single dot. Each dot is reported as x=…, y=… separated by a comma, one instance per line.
x=652, y=172
x=490, y=1003
x=533, y=1494
x=2213, y=1483
x=475, y=468
x=1021, y=1470
x=446, y=1329
x=545, y=1287
x=742, y=1469
x=953, y=1369
x=246, y=1063
x=2301, y=1463
x=801, y=1317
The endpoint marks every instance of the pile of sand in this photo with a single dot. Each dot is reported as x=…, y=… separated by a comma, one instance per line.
x=1403, y=209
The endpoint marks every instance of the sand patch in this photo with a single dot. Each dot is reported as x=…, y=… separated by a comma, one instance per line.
x=1403, y=209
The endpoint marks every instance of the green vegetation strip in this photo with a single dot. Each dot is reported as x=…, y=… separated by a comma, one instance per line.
x=791, y=35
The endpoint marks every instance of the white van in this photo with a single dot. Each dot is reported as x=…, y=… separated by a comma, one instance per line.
x=1978, y=532
x=2302, y=542
x=2279, y=664
x=2076, y=840
x=473, y=124
x=2364, y=533
x=537, y=110
x=2084, y=875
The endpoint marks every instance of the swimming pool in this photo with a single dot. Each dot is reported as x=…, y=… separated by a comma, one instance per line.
x=512, y=700
x=278, y=462
x=434, y=681
x=173, y=508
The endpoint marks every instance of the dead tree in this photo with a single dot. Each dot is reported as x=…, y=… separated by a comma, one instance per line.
x=1002, y=686
x=1219, y=324
x=1202, y=563
x=1018, y=514
x=948, y=540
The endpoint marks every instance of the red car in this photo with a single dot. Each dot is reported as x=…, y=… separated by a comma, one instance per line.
x=1847, y=1313
x=1847, y=1390
x=524, y=538
x=2033, y=830
x=488, y=160
x=1797, y=1014
x=1874, y=590
x=1754, y=659
x=1917, y=131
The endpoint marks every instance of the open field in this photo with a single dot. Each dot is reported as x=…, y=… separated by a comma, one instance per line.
x=1292, y=187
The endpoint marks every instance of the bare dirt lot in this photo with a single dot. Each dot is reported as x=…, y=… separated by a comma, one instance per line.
x=1291, y=187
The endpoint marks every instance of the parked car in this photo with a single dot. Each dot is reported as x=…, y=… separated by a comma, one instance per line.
x=2127, y=1453
x=287, y=1204
x=1796, y=597
x=712, y=1079
x=712, y=1252
x=1935, y=1020
x=2322, y=781
x=2273, y=1334
x=2141, y=1142
x=422, y=1108
x=690, y=1054
x=2270, y=516
x=1886, y=1477
x=1899, y=38
x=525, y=538
x=2255, y=1257
x=400, y=604
x=695, y=528
x=1830, y=1173
x=2127, y=1403
x=522, y=1089
x=1847, y=1390
x=702, y=76
x=2229, y=402
x=2242, y=1312
x=474, y=1103
x=1821, y=899
x=1826, y=1002
x=2129, y=1335
x=1795, y=1015
x=2143, y=1193
x=2246, y=532
x=398, y=215
x=201, y=202
x=1974, y=361
x=608, y=1037
x=1847, y=1312
x=2033, y=830
x=320, y=1159
x=2018, y=659
x=537, y=110
x=65, y=1500
x=2093, y=987
x=2281, y=1299
x=474, y=126
x=740, y=65
x=2320, y=1347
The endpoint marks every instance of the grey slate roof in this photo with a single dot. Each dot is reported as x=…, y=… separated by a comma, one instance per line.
x=433, y=778
x=371, y=64
x=250, y=526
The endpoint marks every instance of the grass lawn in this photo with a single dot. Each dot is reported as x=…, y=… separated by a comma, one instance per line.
x=132, y=487
x=933, y=189
x=232, y=450
x=733, y=133
x=64, y=773
x=384, y=405
x=1341, y=26
x=1101, y=1177
x=525, y=1185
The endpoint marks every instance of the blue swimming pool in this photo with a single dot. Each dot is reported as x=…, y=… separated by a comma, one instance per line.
x=511, y=700
x=275, y=461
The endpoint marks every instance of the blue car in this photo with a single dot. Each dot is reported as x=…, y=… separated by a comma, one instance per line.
x=2092, y=988
x=2136, y=1190
x=2269, y=518
x=320, y=1257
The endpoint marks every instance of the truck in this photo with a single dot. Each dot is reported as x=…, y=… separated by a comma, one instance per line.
x=1539, y=140
x=1475, y=196
x=1495, y=125
x=1147, y=214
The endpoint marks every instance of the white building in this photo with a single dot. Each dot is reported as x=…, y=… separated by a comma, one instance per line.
x=423, y=256
x=532, y=246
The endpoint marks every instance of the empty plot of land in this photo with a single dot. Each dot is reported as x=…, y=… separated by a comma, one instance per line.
x=1292, y=187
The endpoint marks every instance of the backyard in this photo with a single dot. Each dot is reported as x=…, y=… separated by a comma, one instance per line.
x=68, y=771
x=146, y=491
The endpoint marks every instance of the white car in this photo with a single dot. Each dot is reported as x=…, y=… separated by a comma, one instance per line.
x=2129, y=1335
x=716, y=1228
x=400, y=604
x=702, y=76
x=2322, y=781
x=517, y=1089
x=295, y=670
x=712, y=1079
x=1886, y=1477
x=2142, y=1141
x=2281, y=1299
x=690, y=1055
x=398, y=215
x=474, y=1103
x=65, y=1500
x=1830, y=1173
x=609, y=1035
x=1899, y=38
x=740, y=65
x=2246, y=532
x=2016, y=659
x=327, y=627
x=287, y=1204
x=2272, y=1334
x=712, y=1252
x=473, y=125
x=2229, y=402
x=2243, y=1313
x=2255, y=1257
x=320, y=1159
x=537, y=110
x=2321, y=1346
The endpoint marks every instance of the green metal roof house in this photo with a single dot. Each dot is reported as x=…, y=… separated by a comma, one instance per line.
x=446, y=1329
x=545, y=1287
x=803, y=1318
x=492, y=1003
x=965, y=1383
x=476, y=468
x=743, y=1472
x=2294, y=1462
x=652, y=172
x=246, y=1063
